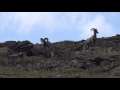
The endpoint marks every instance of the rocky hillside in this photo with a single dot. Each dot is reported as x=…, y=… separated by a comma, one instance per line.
x=64, y=55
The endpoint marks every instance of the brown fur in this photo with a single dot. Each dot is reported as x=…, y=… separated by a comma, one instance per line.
x=90, y=41
x=45, y=43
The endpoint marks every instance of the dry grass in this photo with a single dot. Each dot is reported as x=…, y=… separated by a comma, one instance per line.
x=10, y=70
x=102, y=53
x=68, y=73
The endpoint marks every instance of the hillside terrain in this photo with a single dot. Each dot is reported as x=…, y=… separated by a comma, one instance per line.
x=65, y=59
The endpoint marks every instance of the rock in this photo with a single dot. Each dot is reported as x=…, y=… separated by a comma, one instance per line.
x=115, y=72
x=4, y=52
x=19, y=67
x=58, y=76
x=115, y=56
x=110, y=66
x=104, y=63
x=38, y=65
x=74, y=61
x=52, y=54
x=98, y=60
x=29, y=67
x=24, y=46
x=17, y=55
x=65, y=67
x=77, y=55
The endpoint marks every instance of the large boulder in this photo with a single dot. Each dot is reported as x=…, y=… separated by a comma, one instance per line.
x=5, y=51
x=17, y=47
x=115, y=72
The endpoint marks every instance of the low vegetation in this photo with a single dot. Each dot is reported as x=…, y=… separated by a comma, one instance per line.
x=65, y=59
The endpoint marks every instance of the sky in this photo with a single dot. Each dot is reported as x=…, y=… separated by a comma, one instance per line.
x=57, y=26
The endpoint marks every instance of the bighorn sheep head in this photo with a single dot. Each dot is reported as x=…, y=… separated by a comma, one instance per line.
x=46, y=39
x=95, y=30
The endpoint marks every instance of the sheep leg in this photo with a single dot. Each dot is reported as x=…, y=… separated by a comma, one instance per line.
x=84, y=47
x=93, y=44
x=88, y=46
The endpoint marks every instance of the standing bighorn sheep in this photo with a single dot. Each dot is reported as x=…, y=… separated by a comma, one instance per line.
x=90, y=41
x=46, y=43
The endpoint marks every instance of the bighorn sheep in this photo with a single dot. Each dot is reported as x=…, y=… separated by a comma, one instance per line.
x=90, y=41
x=46, y=43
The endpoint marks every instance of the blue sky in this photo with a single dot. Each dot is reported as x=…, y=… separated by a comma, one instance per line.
x=57, y=26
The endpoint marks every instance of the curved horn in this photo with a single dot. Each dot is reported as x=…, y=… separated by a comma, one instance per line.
x=45, y=39
x=92, y=29
x=42, y=40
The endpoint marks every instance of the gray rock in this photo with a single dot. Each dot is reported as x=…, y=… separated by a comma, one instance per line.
x=115, y=72
x=58, y=76
x=19, y=67
x=17, y=55
x=75, y=62
x=52, y=54
x=104, y=63
x=4, y=52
